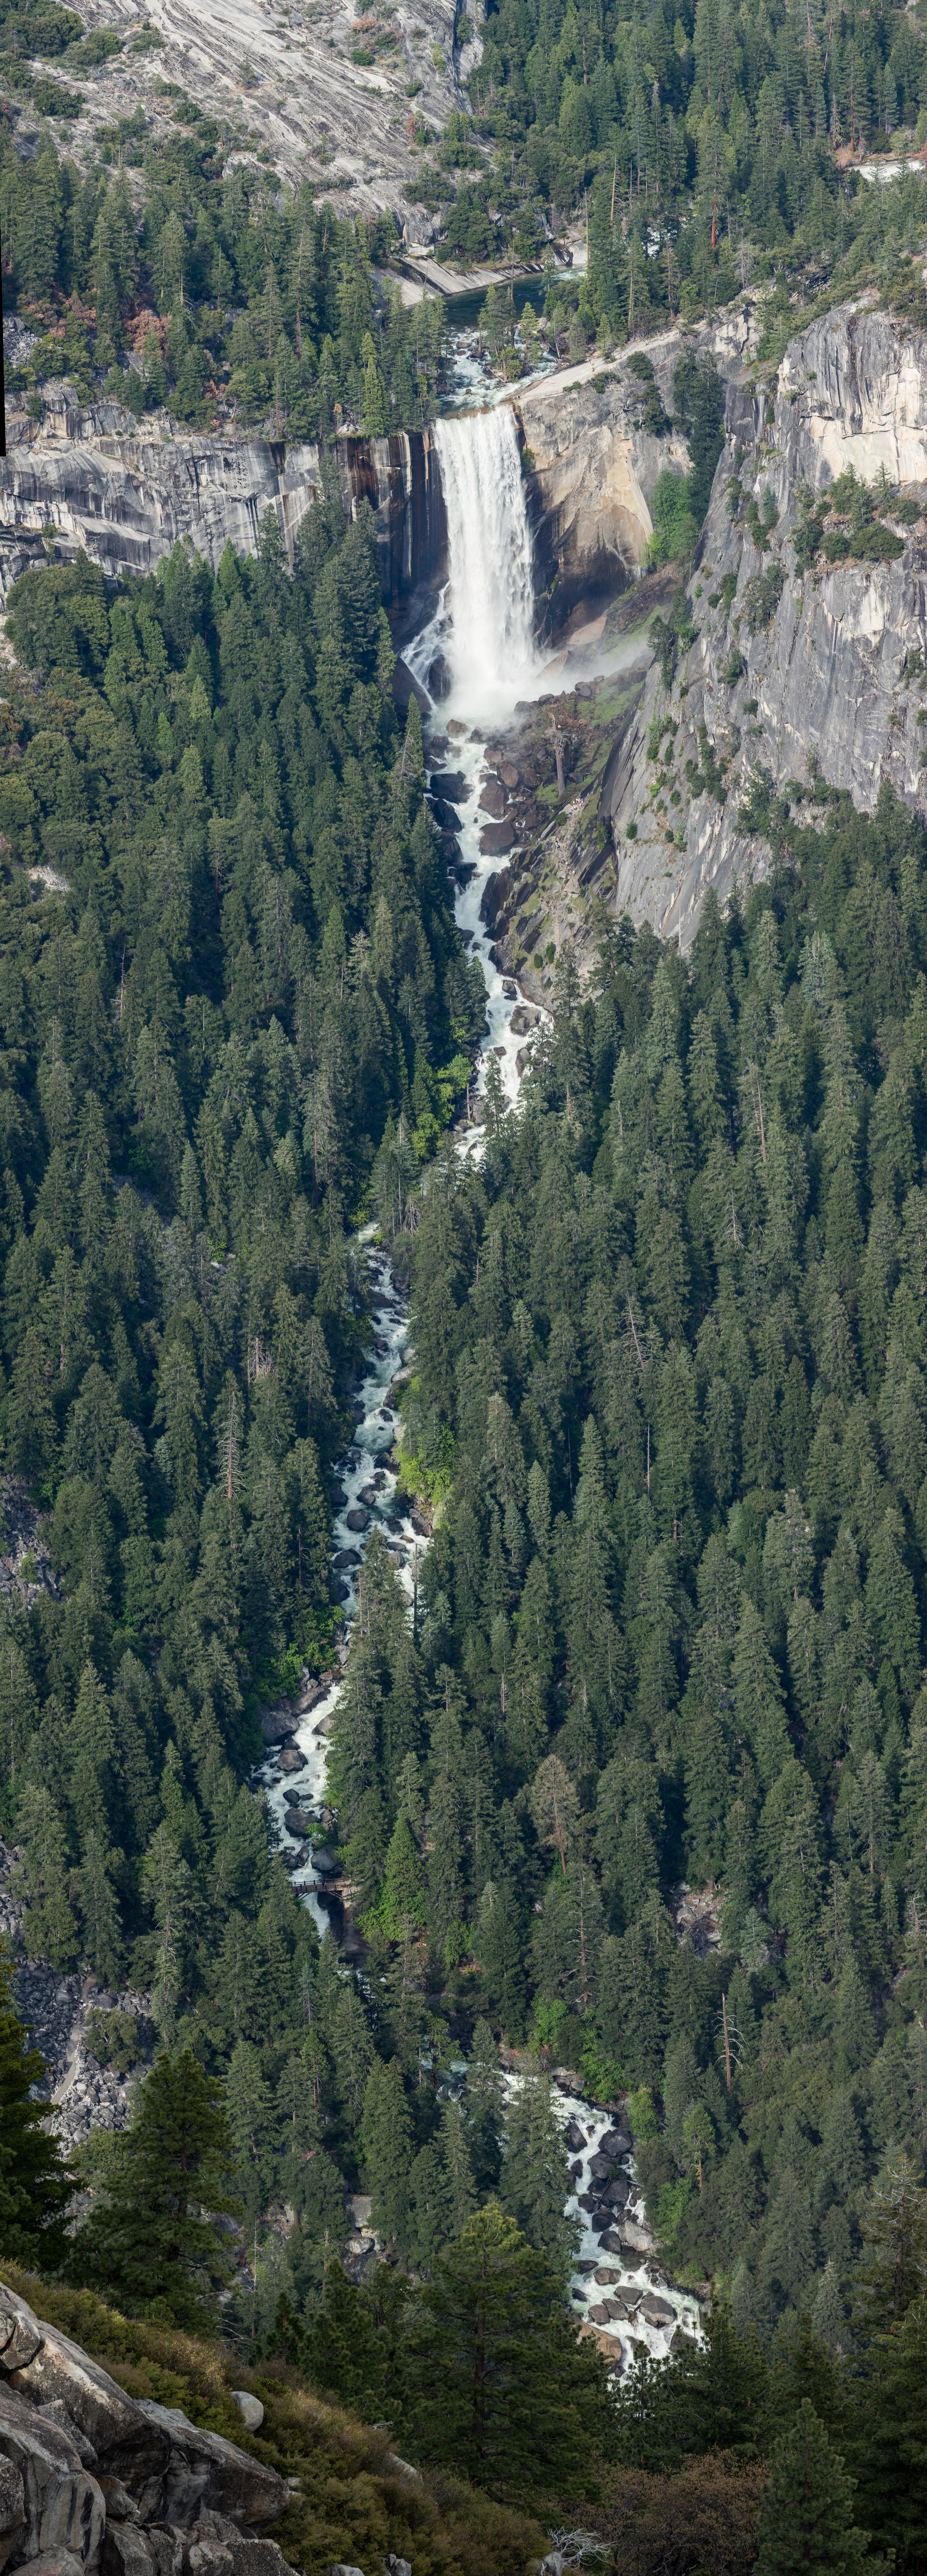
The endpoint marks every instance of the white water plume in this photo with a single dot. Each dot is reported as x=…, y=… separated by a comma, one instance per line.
x=484, y=624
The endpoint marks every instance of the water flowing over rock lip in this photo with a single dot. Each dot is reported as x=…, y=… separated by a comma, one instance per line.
x=485, y=595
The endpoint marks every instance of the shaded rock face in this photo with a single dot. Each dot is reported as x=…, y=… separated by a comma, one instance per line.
x=126, y=497
x=824, y=678
x=595, y=469
x=91, y=2480
x=400, y=478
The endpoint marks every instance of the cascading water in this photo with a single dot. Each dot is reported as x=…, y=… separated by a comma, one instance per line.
x=483, y=632
x=483, y=625
x=489, y=555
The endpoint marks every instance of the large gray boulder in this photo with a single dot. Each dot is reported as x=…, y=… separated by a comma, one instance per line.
x=12, y=2509
x=127, y=2551
x=63, y=2506
x=205, y=2472
x=20, y=2331
x=167, y=2499
x=127, y=2444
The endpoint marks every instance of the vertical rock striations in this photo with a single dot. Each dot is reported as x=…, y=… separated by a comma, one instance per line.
x=87, y=477
x=793, y=675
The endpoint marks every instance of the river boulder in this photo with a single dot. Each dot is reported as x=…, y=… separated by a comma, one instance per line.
x=616, y=2142
x=446, y=815
x=496, y=838
x=358, y=1518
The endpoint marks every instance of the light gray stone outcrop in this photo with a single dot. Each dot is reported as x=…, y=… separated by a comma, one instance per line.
x=823, y=688
x=94, y=2484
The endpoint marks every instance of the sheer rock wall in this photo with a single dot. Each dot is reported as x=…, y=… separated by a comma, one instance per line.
x=85, y=476
x=823, y=682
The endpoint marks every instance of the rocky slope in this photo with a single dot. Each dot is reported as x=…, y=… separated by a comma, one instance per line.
x=815, y=673
x=92, y=2480
x=285, y=75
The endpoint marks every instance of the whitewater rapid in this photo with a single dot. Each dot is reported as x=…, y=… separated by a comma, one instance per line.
x=483, y=632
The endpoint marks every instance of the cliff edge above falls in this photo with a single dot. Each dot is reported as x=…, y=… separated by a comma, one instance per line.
x=86, y=476
x=592, y=465
x=797, y=674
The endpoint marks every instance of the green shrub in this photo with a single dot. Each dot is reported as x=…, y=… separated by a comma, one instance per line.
x=878, y=545
x=675, y=530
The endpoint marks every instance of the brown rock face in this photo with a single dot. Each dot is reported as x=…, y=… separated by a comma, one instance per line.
x=496, y=838
x=492, y=800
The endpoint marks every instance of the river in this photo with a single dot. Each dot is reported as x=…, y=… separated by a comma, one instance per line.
x=483, y=629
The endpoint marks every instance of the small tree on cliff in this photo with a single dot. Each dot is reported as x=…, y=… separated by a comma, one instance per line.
x=152, y=2243
x=35, y=2183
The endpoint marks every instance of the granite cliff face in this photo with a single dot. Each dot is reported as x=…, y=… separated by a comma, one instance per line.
x=811, y=674
x=593, y=467
x=94, y=2480
x=86, y=477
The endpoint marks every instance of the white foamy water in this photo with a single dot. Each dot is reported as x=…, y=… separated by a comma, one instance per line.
x=483, y=628
x=487, y=613
x=362, y=1467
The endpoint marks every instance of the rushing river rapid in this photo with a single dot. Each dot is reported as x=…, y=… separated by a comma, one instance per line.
x=483, y=630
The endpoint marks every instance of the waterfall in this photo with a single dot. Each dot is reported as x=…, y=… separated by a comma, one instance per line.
x=483, y=627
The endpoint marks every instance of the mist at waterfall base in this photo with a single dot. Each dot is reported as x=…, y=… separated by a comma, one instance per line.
x=484, y=628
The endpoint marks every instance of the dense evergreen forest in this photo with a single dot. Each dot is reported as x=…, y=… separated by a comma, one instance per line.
x=669, y=1403
x=226, y=289
x=670, y=1383
x=697, y=149
x=252, y=979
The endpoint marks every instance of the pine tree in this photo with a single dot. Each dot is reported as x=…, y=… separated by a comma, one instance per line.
x=892, y=2273
x=386, y=2131
x=484, y=2104
x=499, y=2388
x=49, y=1925
x=402, y=1903
x=99, y=1911
x=498, y=1945
x=806, y=2509
x=149, y=2245
x=35, y=2183
x=92, y=1748
x=253, y=2126
x=889, y=2453
x=534, y=2183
